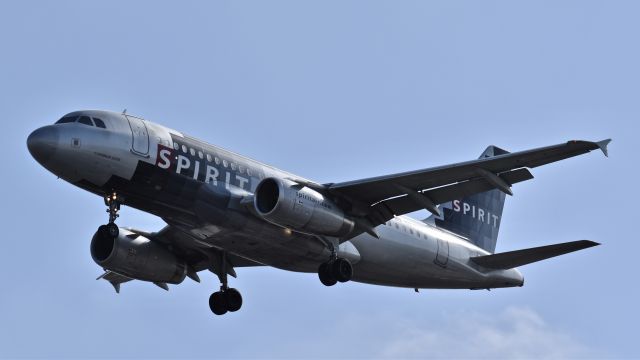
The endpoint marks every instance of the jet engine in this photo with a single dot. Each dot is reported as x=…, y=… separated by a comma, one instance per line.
x=135, y=256
x=291, y=205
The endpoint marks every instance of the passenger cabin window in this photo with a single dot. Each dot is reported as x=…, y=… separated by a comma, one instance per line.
x=67, y=119
x=85, y=120
x=99, y=123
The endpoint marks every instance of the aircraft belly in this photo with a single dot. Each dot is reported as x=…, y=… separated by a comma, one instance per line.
x=401, y=260
x=396, y=259
x=300, y=254
x=213, y=215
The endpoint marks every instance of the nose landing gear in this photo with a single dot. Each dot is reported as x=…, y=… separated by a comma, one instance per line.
x=113, y=201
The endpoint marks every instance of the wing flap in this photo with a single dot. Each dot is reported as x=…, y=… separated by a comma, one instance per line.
x=386, y=210
x=512, y=259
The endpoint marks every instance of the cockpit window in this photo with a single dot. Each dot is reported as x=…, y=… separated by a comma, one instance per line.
x=99, y=123
x=67, y=119
x=85, y=120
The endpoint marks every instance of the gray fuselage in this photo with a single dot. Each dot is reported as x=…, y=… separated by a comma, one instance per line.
x=200, y=188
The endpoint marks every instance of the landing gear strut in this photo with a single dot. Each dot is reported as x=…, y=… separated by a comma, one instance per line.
x=335, y=270
x=113, y=201
x=227, y=299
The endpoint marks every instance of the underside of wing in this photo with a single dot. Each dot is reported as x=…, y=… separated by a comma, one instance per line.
x=194, y=249
x=194, y=254
x=380, y=198
x=387, y=209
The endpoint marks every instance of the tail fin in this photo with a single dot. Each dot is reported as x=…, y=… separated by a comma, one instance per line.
x=476, y=217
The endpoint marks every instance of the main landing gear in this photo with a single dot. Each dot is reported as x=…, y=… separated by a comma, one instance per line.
x=332, y=272
x=113, y=201
x=335, y=270
x=227, y=299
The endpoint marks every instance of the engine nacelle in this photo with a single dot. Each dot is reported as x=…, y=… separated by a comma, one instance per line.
x=288, y=204
x=137, y=257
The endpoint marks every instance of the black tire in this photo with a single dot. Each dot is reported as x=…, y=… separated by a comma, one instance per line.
x=112, y=230
x=103, y=231
x=325, y=275
x=342, y=270
x=218, y=303
x=233, y=299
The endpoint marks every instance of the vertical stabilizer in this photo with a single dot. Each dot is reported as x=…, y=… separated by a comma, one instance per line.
x=476, y=217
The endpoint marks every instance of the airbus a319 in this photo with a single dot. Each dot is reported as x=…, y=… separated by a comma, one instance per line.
x=225, y=211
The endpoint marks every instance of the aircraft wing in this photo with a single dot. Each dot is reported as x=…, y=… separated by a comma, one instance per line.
x=380, y=198
x=192, y=249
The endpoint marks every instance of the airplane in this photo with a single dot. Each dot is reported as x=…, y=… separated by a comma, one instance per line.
x=225, y=211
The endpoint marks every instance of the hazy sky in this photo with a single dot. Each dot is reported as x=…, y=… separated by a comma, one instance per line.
x=333, y=91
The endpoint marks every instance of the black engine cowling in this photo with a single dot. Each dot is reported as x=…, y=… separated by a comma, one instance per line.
x=137, y=257
x=286, y=203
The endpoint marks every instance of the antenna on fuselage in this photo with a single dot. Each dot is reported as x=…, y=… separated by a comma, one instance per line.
x=124, y=112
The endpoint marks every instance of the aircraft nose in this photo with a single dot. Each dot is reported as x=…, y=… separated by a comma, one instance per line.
x=42, y=143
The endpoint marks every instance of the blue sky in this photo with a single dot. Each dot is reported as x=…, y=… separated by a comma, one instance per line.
x=333, y=91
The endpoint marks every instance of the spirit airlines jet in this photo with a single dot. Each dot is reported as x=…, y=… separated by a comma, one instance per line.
x=225, y=211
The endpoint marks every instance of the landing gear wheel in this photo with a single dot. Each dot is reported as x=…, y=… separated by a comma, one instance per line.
x=233, y=299
x=103, y=231
x=112, y=230
x=218, y=303
x=325, y=275
x=342, y=270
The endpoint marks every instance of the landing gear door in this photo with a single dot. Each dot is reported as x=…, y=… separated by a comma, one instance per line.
x=140, y=136
x=442, y=256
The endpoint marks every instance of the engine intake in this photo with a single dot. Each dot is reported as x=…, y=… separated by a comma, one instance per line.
x=137, y=257
x=285, y=203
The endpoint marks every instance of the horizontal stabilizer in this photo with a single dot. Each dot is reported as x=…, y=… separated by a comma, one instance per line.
x=512, y=259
